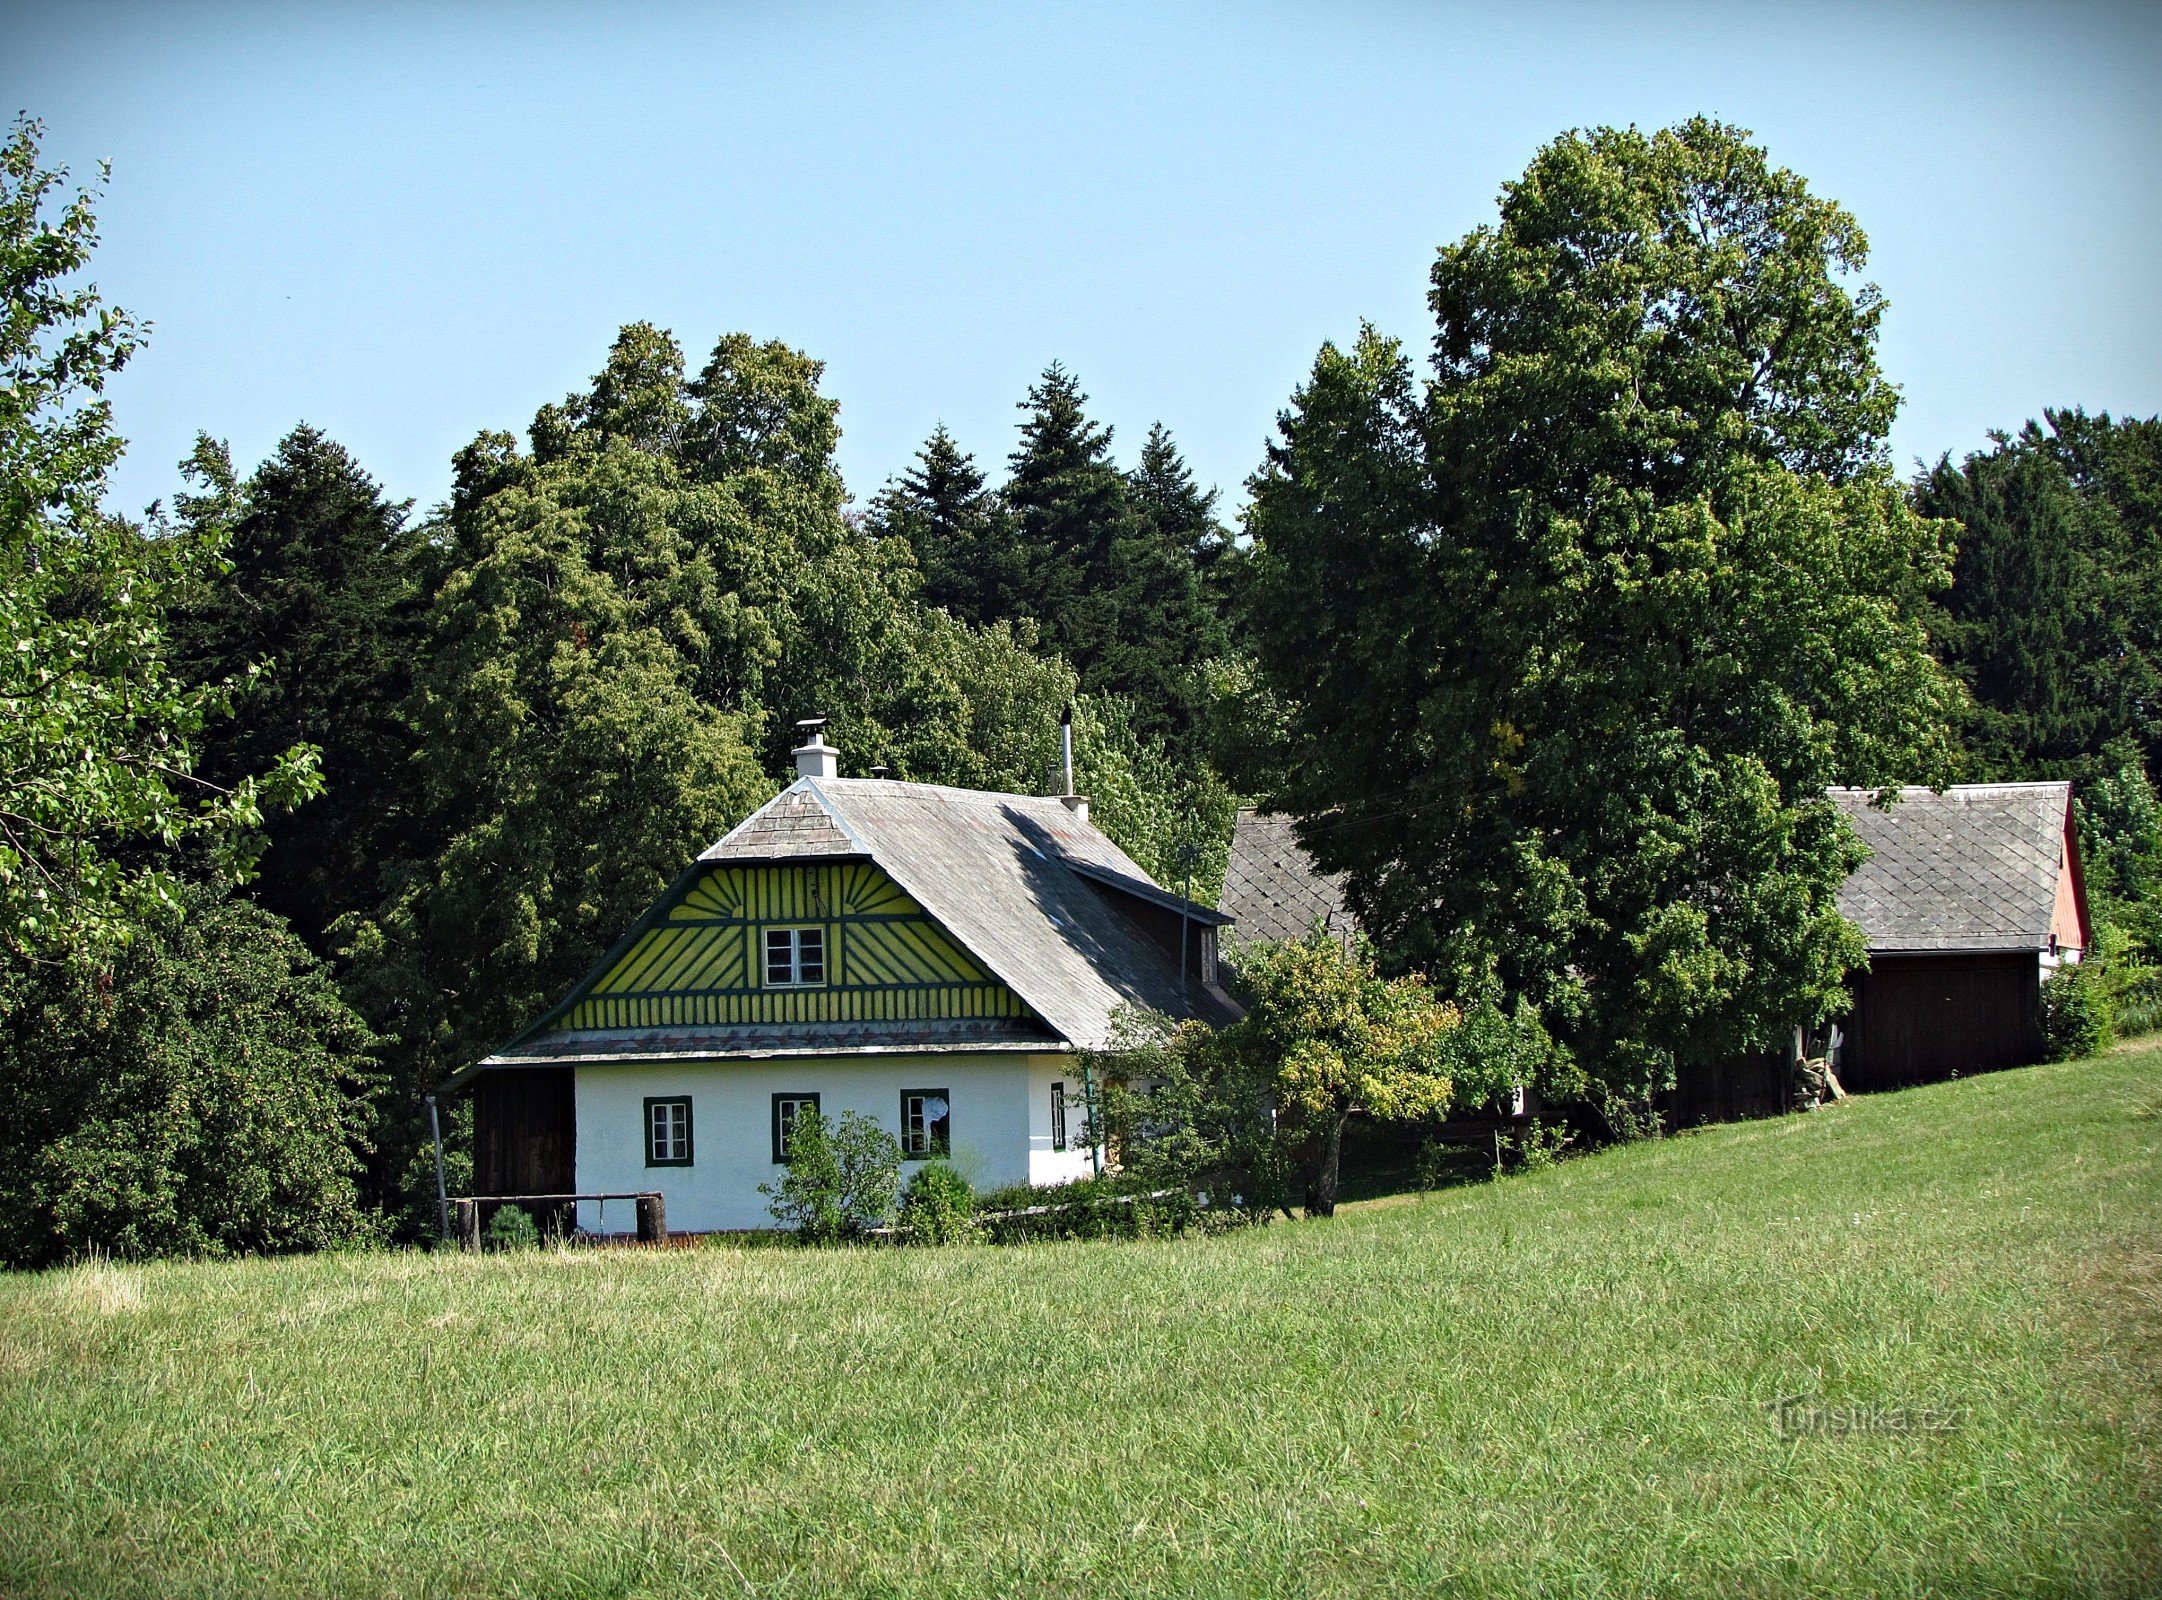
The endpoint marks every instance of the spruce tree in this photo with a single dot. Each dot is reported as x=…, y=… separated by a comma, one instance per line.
x=320, y=594
x=1111, y=580
x=2054, y=618
x=963, y=541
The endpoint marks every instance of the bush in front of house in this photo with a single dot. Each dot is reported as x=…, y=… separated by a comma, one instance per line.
x=2077, y=1011
x=937, y=1207
x=842, y=1178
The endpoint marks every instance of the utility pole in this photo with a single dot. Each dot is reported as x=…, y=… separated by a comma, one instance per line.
x=442, y=1197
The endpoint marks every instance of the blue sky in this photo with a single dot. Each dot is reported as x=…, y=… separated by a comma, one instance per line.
x=406, y=223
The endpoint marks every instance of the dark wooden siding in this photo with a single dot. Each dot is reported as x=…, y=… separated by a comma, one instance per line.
x=525, y=1131
x=1920, y=1018
x=1756, y=1085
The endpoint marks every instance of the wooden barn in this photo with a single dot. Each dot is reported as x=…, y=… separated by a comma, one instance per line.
x=1968, y=901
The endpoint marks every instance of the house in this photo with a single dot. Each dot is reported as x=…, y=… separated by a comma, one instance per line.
x=1968, y=901
x=931, y=958
x=1273, y=890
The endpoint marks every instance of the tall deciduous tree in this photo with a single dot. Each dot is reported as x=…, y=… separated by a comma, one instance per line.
x=97, y=730
x=1563, y=651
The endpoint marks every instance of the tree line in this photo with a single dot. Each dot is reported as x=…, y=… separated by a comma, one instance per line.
x=308, y=798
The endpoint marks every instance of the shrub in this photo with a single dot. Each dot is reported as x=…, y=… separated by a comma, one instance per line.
x=1536, y=1146
x=201, y=1090
x=938, y=1206
x=841, y=1178
x=2076, y=1011
x=511, y=1228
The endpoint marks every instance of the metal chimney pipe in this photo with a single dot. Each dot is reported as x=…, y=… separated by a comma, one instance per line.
x=1065, y=740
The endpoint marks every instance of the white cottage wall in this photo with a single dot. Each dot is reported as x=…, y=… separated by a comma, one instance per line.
x=1001, y=1125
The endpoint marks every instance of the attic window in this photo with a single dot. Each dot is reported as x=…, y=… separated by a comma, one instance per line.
x=795, y=957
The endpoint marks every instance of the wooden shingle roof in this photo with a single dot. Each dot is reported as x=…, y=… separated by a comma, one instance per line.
x=1272, y=889
x=1973, y=869
x=1028, y=888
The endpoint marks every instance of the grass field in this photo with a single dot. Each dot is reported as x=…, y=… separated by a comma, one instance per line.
x=1558, y=1384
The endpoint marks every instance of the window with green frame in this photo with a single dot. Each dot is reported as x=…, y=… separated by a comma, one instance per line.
x=668, y=1130
x=926, y=1124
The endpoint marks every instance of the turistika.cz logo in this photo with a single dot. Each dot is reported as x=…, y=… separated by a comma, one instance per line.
x=1802, y=1414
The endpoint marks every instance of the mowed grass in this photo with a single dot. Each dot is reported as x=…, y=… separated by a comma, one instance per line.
x=1557, y=1384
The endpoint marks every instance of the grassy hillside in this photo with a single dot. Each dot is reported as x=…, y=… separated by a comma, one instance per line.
x=1557, y=1384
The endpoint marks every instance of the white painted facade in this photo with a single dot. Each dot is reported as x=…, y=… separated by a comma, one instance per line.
x=1001, y=1125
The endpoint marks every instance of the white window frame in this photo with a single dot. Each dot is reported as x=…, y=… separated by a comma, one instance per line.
x=916, y=1143
x=1058, y=1115
x=668, y=1130
x=789, y=944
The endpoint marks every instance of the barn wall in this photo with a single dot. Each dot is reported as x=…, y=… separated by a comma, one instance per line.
x=1754, y=1085
x=1917, y=1019
x=525, y=1131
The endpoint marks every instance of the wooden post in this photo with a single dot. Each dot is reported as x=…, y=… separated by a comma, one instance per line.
x=468, y=1224
x=652, y=1219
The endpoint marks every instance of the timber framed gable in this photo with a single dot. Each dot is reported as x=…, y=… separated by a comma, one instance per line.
x=696, y=959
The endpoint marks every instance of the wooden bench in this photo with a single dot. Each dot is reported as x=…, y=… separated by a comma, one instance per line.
x=652, y=1212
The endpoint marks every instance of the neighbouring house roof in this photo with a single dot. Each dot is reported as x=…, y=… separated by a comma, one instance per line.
x=1048, y=905
x=1976, y=868
x=1272, y=888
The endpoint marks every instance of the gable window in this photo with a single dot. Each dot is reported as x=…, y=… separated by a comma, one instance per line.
x=795, y=957
x=1058, y=1116
x=668, y=1131
x=926, y=1124
x=786, y=1108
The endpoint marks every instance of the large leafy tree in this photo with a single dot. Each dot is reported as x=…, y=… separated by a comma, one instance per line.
x=97, y=730
x=1560, y=653
x=318, y=587
x=205, y=1090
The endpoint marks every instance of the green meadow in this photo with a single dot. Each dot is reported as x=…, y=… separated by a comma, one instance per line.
x=1564, y=1383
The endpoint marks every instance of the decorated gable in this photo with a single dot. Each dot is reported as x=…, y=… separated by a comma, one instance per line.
x=773, y=944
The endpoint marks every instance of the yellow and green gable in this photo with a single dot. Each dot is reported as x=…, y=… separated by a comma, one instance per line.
x=695, y=960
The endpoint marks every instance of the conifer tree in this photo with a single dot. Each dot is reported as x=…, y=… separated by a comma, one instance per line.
x=319, y=592
x=963, y=541
x=1110, y=569
x=2054, y=617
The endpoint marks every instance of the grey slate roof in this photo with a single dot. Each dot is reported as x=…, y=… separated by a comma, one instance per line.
x=1271, y=886
x=789, y=827
x=1974, y=868
x=995, y=870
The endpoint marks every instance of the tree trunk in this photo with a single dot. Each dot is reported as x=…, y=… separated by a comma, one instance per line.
x=1321, y=1186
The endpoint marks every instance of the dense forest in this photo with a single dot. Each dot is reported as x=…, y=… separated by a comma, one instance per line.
x=309, y=796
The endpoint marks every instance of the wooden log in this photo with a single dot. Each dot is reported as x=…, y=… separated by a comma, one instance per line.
x=652, y=1219
x=468, y=1224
